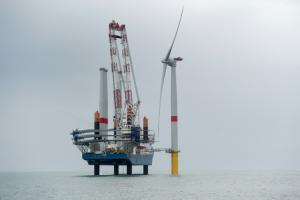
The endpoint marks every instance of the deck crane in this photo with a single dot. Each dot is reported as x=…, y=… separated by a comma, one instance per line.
x=121, y=72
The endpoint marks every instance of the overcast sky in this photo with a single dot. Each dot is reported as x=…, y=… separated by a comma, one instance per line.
x=238, y=85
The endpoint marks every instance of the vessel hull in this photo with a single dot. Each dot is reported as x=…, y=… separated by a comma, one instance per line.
x=117, y=158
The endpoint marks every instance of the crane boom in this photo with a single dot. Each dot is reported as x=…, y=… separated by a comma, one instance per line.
x=122, y=71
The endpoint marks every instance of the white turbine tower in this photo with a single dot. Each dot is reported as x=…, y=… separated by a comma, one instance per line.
x=169, y=61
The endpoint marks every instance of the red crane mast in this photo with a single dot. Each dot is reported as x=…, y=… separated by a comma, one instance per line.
x=122, y=70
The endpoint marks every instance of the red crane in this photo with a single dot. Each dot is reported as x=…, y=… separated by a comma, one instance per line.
x=126, y=110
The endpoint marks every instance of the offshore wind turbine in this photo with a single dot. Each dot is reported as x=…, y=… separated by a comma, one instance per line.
x=171, y=62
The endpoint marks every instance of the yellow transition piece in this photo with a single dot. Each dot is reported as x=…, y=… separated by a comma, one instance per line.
x=174, y=163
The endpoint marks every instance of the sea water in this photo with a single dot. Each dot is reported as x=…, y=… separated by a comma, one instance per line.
x=214, y=185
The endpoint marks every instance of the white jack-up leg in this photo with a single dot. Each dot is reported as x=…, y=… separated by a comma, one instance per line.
x=103, y=101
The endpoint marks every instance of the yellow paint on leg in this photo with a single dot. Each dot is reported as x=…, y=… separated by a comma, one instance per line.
x=174, y=163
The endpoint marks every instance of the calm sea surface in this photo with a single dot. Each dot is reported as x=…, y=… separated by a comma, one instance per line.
x=225, y=185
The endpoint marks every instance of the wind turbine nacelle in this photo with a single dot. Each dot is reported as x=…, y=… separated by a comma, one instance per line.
x=170, y=62
x=178, y=59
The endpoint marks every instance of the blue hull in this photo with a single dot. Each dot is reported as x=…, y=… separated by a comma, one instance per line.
x=118, y=158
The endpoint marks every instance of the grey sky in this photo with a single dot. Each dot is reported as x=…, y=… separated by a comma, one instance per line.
x=238, y=85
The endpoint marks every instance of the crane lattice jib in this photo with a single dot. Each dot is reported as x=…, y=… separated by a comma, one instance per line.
x=115, y=72
x=122, y=72
x=127, y=66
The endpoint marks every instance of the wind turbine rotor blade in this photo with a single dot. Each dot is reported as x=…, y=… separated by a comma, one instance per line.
x=160, y=95
x=169, y=52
